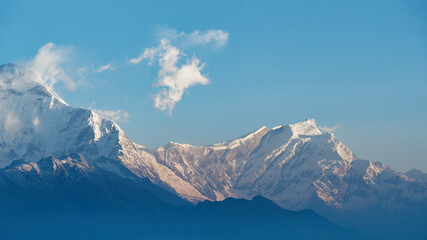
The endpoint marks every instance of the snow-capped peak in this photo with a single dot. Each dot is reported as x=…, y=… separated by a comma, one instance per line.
x=240, y=140
x=307, y=127
x=36, y=123
x=18, y=80
x=295, y=165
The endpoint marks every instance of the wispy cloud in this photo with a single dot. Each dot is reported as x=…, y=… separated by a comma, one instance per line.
x=330, y=129
x=50, y=64
x=81, y=69
x=174, y=78
x=114, y=115
x=105, y=67
x=149, y=53
x=217, y=37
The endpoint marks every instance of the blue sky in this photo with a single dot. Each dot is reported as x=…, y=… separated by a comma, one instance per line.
x=361, y=65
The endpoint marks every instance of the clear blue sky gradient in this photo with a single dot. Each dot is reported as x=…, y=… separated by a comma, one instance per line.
x=361, y=64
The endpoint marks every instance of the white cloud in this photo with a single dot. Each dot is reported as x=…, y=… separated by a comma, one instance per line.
x=49, y=64
x=330, y=129
x=81, y=69
x=172, y=77
x=149, y=53
x=175, y=78
x=12, y=123
x=105, y=67
x=115, y=115
x=217, y=37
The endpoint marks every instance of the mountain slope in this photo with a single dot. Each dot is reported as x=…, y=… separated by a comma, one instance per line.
x=70, y=183
x=297, y=166
x=417, y=174
x=36, y=123
x=54, y=195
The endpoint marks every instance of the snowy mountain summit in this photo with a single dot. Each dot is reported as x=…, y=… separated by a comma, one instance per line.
x=36, y=122
x=297, y=166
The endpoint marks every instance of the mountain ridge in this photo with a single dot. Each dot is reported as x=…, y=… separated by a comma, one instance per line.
x=297, y=166
x=52, y=195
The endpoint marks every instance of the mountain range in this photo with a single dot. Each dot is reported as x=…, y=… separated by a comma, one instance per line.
x=48, y=148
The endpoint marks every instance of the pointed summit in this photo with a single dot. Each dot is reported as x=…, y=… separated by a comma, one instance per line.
x=36, y=123
x=306, y=127
x=15, y=79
